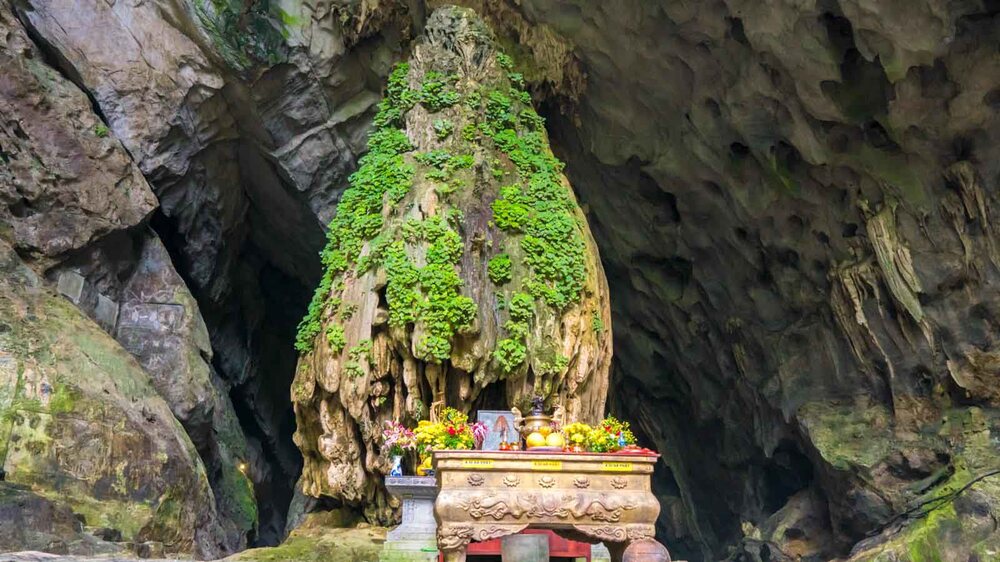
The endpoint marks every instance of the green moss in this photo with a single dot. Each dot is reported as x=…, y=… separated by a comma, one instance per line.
x=505, y=61
x=509, y=354
x=383, y=173
x=554, y=367
x=539, y=205
x=848, y=435
x=100, y=130
x=330, y=542
x=536, y=210
x=436, y=93
x=63, y=399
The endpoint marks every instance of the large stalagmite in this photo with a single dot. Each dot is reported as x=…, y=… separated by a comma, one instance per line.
x=460, y=268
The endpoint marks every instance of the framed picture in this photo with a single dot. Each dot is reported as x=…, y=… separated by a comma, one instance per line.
x=496, y=421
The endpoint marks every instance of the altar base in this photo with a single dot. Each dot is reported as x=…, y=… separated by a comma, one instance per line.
x=415, y=539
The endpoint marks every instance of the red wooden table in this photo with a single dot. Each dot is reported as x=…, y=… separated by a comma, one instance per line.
x=558, y=546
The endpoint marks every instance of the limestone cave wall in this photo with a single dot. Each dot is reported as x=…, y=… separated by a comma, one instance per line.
x=793, y=203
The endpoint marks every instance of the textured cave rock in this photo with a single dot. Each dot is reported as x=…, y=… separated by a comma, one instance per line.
x=246, y=133
x=794, y=203
x=76, y=208
x=84, y=428
x=412, y=311
x=802, y=287
x=64, y=183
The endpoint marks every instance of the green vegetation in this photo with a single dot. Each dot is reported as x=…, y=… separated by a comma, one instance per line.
x=535, y=208
x=335, y=337
x=596, y=322
x=539, y=206
x=101, y=130
x=362, y=352
x=382, y=172
x=436, y=93
x=443, y=128
x=499, y=269
x=510, y=354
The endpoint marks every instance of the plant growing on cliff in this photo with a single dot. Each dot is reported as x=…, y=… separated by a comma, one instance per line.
x=499, y=269
x=382, y=172
x=443, y=128
x=536, y=209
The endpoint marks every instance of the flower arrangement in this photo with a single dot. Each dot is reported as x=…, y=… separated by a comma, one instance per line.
x=610, y=435
x=479, y=431
x=397, y=438
x=576, y=435
x=451, y=431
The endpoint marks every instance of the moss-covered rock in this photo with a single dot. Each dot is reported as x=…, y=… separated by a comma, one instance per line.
x=459, y=266
x=322, y=538
x=81, y=423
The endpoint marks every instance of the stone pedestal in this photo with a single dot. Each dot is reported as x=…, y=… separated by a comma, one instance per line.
x=415, y=539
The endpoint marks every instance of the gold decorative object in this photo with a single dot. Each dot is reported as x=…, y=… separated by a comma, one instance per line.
x=584, y=497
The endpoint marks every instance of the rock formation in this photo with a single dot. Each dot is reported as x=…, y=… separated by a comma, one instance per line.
x=794, y=203
x=460, y=269
x=83, y=426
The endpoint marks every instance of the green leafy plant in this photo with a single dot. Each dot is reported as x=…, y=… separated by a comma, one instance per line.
x=596, y=323
x=443, y=128
x=335, y=337
x=435, y=93
x=101, y=130
x=499, y=269
x=382, y=172
x=509, y=354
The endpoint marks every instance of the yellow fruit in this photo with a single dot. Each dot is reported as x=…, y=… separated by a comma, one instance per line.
x=545, y=430
x=555, y=440
x=535, y=439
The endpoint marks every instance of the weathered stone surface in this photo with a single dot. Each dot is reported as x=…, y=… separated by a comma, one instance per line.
x=162, y=327
x=63, y=181
x=33, y=522
x=415, y=538
x=322, y=537
x=82, y=424
x=246, y=123
x=794, y=203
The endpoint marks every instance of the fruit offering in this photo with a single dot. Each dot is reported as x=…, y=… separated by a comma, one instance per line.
x=535, y=439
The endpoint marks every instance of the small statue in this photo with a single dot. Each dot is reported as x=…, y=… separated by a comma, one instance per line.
x=537, y=406
x=518, y=418
x=559, y=416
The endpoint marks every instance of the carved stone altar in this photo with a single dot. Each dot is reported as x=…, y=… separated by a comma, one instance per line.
x=586, y=497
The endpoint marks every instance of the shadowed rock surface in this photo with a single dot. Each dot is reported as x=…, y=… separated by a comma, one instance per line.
x=794, y=203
